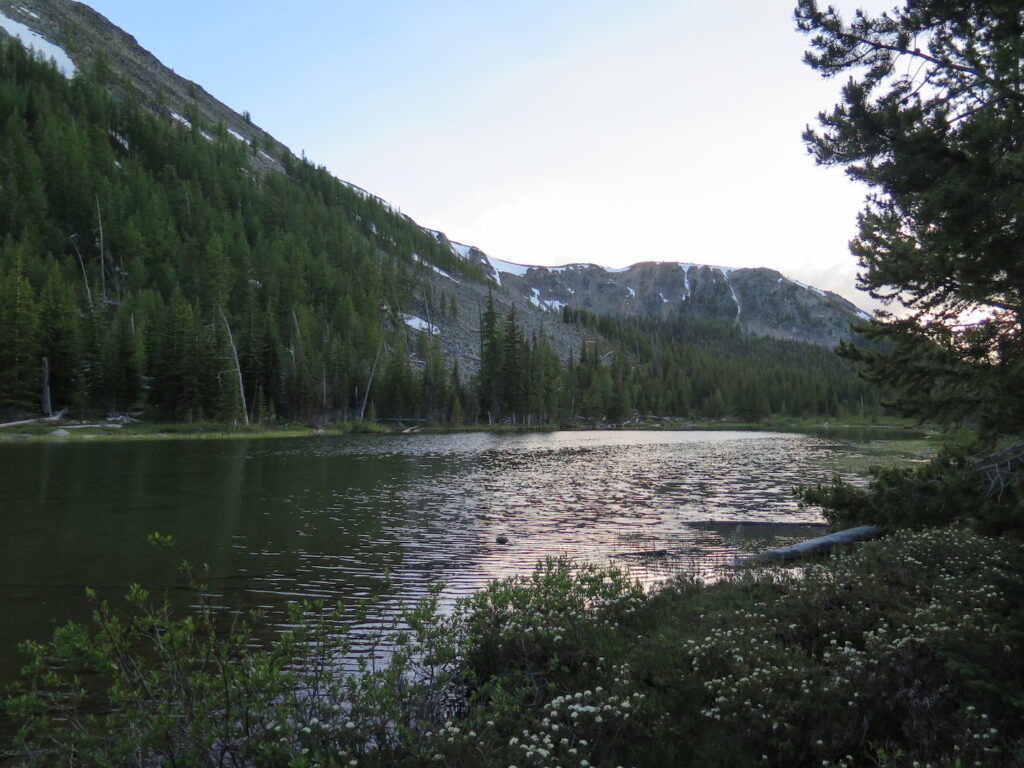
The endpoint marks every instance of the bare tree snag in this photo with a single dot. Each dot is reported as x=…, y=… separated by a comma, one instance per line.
x=238, y=368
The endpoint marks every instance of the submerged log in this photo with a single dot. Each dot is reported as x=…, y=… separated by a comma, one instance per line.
x=645, y=553
x=817, y=546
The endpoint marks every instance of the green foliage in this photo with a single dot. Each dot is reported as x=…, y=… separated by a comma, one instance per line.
x=528, y=630
x=123, y=236
x=931, y=121
x=630, y=368
x=197, y=691
x=946, y=489
x=685, y=367
x=857, y=655
x=19, y=328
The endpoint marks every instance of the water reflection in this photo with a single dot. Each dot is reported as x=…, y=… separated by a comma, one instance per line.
x=278, y=520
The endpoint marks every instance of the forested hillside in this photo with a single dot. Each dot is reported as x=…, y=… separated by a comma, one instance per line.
x=134, y=251
x=148, y=264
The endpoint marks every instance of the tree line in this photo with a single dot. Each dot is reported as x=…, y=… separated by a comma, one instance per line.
x=633, y=367
x=145, y=263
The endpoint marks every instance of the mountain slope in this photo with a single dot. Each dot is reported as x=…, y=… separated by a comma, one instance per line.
x=775, y=306
x=159, y=252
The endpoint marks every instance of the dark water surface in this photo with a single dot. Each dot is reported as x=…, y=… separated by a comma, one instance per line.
x=323, y=517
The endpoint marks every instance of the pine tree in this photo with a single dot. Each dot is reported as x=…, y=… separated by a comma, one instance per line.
x=490, y=362
x=513, y=372
x=21, y=380
x=122, y=362
x=172, y=379
x=932, y=121
x=61, y=341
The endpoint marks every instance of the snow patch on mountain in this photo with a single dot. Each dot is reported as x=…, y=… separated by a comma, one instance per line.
x=419, y=324
x=507, y=266
x=734, y=297
x=438, y=270
x=120, y=140
x=809, y=287
x=462, y=250
x=43, y=47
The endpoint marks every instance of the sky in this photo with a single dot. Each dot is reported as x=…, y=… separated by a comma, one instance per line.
x=544, y=131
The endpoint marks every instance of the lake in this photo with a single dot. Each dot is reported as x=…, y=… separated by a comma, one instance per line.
x=324, y=517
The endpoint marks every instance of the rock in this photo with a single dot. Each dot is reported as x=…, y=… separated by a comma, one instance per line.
x=60, y=433
x=502, y=539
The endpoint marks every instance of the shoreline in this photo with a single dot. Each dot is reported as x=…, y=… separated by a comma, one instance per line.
x=73, y=430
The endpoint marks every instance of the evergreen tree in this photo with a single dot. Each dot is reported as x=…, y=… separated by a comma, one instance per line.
x=20, y=369
x=172, y=391
x=932, y=121
x=513, y=380
x=122, y=361
x=490, y=362
x=61, y=341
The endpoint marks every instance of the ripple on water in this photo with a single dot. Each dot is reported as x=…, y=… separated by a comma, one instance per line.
x=695, y=499
x=325, y=518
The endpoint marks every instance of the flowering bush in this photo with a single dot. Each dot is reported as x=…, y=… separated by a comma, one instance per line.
x=905, y=651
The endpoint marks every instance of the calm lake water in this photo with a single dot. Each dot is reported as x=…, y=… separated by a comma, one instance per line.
x=323, y=517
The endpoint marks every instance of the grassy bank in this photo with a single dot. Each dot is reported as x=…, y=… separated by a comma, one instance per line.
x=68, y=430
x=143, y=430
x=901, y=652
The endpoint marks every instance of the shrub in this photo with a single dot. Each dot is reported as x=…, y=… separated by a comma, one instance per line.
x=149, y=688
x=944, y=490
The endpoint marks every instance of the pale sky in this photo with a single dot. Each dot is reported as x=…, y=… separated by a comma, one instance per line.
x=543, y=131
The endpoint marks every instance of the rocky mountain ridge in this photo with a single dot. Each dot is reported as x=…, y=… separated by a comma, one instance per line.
x=762, y=301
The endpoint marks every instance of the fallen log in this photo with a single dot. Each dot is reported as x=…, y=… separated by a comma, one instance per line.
x=40, y=420
x=816, y=546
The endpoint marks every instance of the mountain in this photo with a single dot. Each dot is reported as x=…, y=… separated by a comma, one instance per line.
x=760, y=301
x=73, y=32
x=160, y=252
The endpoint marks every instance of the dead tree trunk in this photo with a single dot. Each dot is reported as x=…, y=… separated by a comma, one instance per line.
x=369, y=383
x=47, y=406
x=238, y=368
x=103, y=260
x=85, y=275
x=816, y=546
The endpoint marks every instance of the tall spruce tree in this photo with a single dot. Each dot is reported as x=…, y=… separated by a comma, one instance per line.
x=932, y=120
x=20, y=370
x=490, y=361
